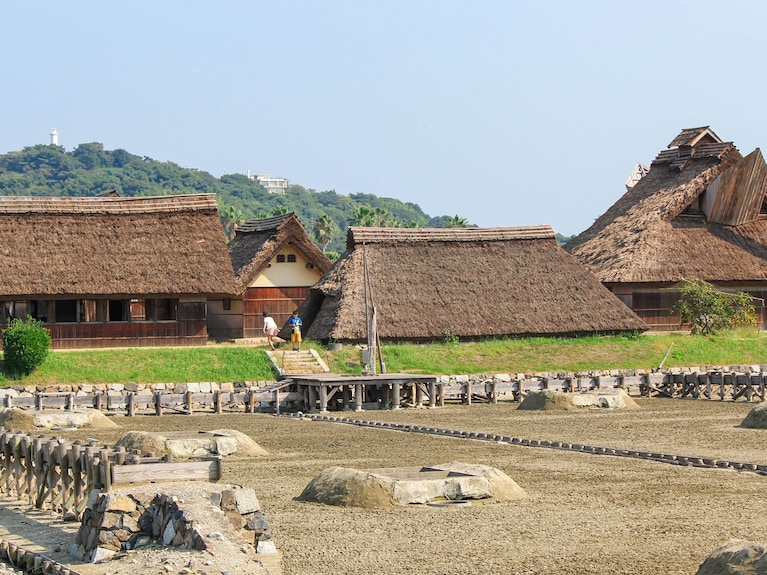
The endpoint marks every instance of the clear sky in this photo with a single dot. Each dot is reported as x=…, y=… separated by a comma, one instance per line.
x=505, y=112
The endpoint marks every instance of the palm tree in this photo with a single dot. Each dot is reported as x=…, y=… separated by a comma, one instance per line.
x=233, y=219
x=376, y=217
x=457, y=221
x=280, y=211
x=324, y=230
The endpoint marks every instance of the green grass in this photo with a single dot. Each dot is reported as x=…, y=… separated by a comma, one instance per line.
x=230, y=363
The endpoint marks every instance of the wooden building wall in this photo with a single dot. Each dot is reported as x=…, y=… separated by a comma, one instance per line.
x=188, y=329
x=280, y=302
x=653, y=304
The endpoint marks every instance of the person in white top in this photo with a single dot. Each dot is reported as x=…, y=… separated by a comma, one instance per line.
x=270, y=329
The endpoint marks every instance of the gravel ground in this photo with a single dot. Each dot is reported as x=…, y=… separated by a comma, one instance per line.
x=584, y=514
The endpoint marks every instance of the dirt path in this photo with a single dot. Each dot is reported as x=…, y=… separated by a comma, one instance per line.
x=585, y=514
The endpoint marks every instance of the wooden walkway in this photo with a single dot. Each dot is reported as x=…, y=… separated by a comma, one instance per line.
x=386, y=391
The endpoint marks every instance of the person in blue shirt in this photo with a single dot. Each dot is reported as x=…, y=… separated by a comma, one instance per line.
x=295, y=331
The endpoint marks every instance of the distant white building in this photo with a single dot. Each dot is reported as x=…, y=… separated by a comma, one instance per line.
x=272, y=185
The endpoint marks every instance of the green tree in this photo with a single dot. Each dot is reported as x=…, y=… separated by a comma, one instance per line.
x=25, y=345
x=365, y=216
x=233, y=219
x=324, y=229
x=457, y=221
x=708, y=310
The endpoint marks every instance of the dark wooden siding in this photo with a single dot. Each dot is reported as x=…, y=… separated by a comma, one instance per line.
x=280, y=302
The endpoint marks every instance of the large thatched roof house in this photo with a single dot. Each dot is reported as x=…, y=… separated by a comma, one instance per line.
x=113, y=271
x=275, y=262
x=473, y=282
x=699, y=212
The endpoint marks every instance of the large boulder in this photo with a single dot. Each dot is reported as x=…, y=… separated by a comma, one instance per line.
x=736, y=557
x=602, y=398
x=184, y=444
x=28, y=420
x=405, y=485
x=756, y=418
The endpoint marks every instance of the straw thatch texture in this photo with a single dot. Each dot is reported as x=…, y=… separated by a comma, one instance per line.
x=474, y=282
x=257, y=242
x=647, y=236
x=113, y=246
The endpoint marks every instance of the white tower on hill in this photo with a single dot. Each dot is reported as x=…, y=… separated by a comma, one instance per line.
x=54, y=137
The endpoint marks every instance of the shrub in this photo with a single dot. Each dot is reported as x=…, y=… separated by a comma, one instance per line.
x=25, y=345
x=708, y=310
x=449, y=338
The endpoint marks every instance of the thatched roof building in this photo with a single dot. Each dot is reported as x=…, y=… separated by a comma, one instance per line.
x=275, y=262
x=257, y=242
x=86, y=262
x=64, y=246
x=474, y=282
x=699, y=212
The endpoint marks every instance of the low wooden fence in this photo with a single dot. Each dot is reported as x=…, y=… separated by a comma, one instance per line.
x=158, y=402
x=58, y=475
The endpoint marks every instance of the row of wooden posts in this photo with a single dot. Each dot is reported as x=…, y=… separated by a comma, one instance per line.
x=53, y=474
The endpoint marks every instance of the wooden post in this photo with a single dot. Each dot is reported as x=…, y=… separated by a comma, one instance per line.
x=468, y=392
x=358, y=390
x=189, y=402
x=105, y=471
x=395, y=400
x=70, y=401
x=158, y=402
x=432, y=393
x=39, y=401
x=217, y=407
x=312, y=405
x=493, y=392
x=131, y=404
x=323, y=398
x=276, y=400
x=418, y=394
x=99, y=401
x=441, y=395
x=251, y=407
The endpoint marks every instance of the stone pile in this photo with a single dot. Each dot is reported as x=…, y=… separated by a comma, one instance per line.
x=116, y=523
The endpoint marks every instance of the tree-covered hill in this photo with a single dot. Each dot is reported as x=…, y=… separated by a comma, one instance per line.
x=90, y=170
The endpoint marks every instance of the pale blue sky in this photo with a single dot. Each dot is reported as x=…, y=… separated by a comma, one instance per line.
x=505, y=112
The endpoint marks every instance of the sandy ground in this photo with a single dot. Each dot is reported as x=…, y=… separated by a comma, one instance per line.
x=584, y=514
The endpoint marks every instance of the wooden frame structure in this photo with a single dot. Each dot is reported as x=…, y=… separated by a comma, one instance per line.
x=323, y=391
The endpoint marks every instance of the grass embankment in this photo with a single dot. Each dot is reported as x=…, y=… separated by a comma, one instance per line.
x=222, y=363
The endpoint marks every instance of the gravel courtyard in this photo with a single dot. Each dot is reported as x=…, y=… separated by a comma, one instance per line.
x=584, y=514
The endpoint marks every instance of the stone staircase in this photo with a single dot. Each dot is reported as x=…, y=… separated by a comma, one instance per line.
x=302, y=362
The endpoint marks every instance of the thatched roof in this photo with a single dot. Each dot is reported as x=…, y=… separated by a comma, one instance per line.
x=258, y=241
x=112, y=246
x=475, y=282
x=695, y=214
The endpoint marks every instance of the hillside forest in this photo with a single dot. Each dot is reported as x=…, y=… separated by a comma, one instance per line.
x=90, y=170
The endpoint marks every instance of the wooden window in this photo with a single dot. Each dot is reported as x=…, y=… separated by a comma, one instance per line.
x=227, y=303
x=116, y=310
x=280, y=258
x=66, y=311
x=291, y=258
x=165, y=309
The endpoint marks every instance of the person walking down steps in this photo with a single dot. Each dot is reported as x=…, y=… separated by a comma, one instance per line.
x=270, y=329
x=295, y=331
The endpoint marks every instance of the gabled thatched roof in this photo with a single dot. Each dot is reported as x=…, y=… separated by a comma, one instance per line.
x=112, y=246
x=474, y=282
x=258, y=241
x=659, y=231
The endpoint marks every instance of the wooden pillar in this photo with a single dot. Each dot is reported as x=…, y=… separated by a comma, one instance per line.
x=347, y=397
x=358, y=390
x=395, y=394
x=251, y=406
x=432, y=393
x=418, y=394
x=323, y=398
x=131, y=404
x=158, y=402
x=493, y=392
x=441, y=394
x=312, y=391
x=276, y=400
x=70, y=401
x=39, y=402
x=467, y=393
x=189, y=402
x=99, y=401
x=217, y=407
